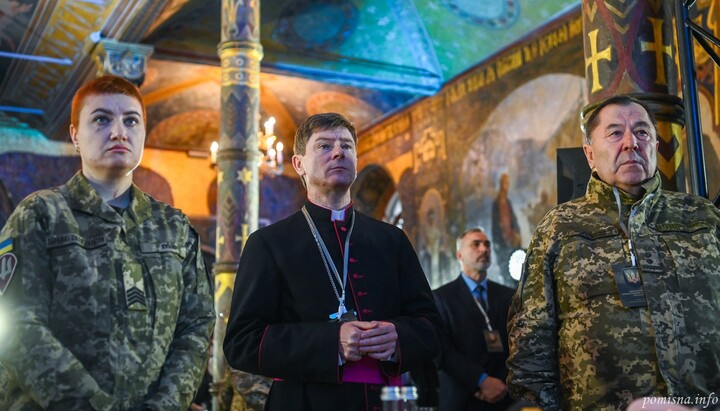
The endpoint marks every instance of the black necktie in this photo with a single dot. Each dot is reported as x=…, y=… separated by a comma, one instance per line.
x=481, y=299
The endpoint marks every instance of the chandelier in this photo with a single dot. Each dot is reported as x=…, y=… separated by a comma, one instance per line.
x=271, y=150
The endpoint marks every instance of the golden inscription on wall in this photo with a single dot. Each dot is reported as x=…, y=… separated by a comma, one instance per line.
x=388, y=131
x=429, y=149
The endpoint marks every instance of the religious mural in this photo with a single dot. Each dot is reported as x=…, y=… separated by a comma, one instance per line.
x=508, y=177
x=497, y=129
x=46, y=170
x=482, y=152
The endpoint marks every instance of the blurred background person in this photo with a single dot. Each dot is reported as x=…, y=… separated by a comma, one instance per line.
x=474, y=343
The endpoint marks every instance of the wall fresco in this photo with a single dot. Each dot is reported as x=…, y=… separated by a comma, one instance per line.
x=44, y=171
x=483, y=150
x=500, y=124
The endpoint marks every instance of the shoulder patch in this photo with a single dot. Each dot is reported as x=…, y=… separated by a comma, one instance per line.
x=8, y=262
x=6, y=246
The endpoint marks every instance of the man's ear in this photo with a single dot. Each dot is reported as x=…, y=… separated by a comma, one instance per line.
x=297, y=164
x=589, y=155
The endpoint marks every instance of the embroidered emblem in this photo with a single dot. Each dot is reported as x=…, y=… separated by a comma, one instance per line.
x=6, y=246
x=135, y=296
x=134, y=288
x=8, y=262
x=632, y=276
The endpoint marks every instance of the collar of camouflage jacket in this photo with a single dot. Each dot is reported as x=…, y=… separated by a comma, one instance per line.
x=83, y=197
x=600, y=191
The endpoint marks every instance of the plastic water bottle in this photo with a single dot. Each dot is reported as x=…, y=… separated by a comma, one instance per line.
x=392, y=399
x=409, y=396
x=399, y=398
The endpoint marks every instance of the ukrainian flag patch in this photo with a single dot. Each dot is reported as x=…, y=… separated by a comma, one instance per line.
x=6, y=246
x=8, y=262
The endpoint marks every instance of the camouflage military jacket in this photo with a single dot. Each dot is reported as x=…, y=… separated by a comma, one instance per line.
x=108, y=311
x=574, y=345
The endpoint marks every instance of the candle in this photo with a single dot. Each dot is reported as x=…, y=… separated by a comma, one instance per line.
x=279, y=147
x=270, y=126
x=213, y=152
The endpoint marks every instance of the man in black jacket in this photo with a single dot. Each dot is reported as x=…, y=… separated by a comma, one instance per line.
x=474, y=341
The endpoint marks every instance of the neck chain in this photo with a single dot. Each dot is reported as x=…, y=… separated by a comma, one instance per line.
x=328, y=262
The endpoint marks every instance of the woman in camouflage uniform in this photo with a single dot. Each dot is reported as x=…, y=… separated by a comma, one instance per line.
x=109, y=299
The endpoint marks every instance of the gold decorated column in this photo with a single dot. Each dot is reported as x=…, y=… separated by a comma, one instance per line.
x=630, y=49
x=237, y=206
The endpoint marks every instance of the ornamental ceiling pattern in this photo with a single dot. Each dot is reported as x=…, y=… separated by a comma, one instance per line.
x=371, y=56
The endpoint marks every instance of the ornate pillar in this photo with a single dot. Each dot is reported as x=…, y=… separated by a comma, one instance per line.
x=630, y=49
x=238, y=188
x=127, y=60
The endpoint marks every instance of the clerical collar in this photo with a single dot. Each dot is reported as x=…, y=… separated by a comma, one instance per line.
x=337, y=215
x=321, y=213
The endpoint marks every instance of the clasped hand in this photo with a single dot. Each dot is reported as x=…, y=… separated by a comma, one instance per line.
x=491, y=390
x=376, y=339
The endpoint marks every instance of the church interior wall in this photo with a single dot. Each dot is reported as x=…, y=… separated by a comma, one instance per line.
x=505, y=116
x=444, y=157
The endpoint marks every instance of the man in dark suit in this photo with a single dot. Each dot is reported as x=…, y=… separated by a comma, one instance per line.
x=474, y=340
x=330, y=303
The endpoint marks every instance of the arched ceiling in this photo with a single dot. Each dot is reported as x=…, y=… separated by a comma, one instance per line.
x=369, y=57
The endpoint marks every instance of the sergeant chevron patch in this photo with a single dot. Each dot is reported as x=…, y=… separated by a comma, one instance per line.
x=135, y=299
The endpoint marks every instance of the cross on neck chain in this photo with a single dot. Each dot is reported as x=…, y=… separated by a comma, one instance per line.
x=328, y=261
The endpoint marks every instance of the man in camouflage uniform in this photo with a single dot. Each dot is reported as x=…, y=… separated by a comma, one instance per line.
x=110, y=303
x=620, y=296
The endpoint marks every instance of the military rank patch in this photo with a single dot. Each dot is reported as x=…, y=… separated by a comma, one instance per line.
x=134, y=289
x=8, y=262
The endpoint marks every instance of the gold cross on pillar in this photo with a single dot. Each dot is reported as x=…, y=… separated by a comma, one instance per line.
x=594, y=58
x=659, y=49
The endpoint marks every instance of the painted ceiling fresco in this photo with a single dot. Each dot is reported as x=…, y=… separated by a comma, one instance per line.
x=368, y=57
x=407, y=45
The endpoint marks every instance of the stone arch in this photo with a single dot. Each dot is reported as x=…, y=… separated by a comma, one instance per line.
x=372, y=191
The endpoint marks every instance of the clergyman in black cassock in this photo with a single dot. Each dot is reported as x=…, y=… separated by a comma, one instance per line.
x=290, y=319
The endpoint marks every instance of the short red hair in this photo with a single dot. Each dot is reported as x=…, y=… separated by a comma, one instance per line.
x=104, y=85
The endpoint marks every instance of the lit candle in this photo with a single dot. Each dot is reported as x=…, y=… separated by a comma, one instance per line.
x=279, y=148
x=270, y=141
x=270, y=126
x=213, y=152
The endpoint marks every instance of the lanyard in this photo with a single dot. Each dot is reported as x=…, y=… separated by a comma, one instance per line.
x=622, y=222
x=482, y=310
x=328, y=261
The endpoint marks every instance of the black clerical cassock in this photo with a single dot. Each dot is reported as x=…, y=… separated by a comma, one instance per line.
x=280, y=322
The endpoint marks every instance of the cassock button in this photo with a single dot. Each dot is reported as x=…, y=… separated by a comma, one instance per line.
x=357, y=276
x=361, y=294
x=366, y=311
x=353, y=260
x=343, y=228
